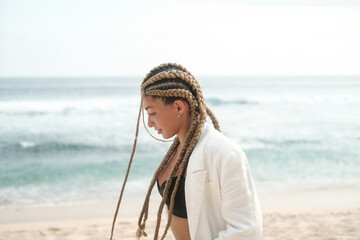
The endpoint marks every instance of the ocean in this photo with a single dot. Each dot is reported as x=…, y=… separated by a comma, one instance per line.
x=69, y=140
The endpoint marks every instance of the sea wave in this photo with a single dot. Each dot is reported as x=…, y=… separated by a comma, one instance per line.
x=72, y=191
x=26, y=146
x=289, y=142
x=261, y=143
x=66, y=107
x=218, y=101
x=53, y=146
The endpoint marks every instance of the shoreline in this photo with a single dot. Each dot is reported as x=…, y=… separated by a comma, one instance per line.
x=311, y=214
x=336, y=198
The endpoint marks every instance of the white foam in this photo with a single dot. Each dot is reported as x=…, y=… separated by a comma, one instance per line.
x=26, y=144
x=67, y=106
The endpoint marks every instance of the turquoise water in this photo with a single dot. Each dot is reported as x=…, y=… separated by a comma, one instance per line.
x=69, y=140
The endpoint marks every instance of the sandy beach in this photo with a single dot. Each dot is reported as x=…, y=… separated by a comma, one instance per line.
x=316, y=214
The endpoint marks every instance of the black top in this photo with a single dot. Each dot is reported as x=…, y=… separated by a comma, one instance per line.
x=179, y=204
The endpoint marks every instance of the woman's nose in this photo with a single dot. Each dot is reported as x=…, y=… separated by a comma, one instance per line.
x=150, y=123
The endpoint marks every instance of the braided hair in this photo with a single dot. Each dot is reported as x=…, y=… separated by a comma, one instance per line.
x=171, y=82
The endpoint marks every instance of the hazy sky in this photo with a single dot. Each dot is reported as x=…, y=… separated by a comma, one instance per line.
x=111, y=38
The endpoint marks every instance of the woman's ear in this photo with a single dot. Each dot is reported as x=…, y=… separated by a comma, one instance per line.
x=180, y=106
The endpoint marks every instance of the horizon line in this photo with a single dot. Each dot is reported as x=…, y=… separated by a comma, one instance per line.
x=201, y=75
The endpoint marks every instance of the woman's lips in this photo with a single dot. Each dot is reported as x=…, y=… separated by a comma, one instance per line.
x=159, y=131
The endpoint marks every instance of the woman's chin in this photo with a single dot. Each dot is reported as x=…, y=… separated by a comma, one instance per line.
x=166, y=136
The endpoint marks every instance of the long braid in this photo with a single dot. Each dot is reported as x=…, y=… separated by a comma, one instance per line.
x=144, y=212
x=178, y=93
x=169, y=82
x=126, y=175
x=213, y=118
x=193, y=104
x=182, y=167
x=179, y=165
x=191, y=138
x=183, y=155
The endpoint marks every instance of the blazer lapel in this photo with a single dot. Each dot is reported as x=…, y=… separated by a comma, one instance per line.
x=195, y=182
x=196, y=185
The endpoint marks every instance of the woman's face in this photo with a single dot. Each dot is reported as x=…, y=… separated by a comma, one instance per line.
x=163, y=118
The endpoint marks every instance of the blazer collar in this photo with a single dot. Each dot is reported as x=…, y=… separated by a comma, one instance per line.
x=195, y=160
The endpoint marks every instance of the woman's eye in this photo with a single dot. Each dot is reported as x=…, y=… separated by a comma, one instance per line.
x=151, y=114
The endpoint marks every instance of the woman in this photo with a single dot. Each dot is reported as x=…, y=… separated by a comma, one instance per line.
x=204, y=178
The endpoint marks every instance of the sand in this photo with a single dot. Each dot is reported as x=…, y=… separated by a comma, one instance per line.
x=317, y=214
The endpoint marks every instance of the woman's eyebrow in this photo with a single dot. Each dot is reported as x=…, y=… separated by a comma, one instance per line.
x=148, y=107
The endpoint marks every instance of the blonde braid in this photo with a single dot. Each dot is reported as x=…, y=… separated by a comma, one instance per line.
x=165, y=67
x=175, y=93
x=213, y=118
x=144, y=212
x=191, y=141
x=196, y=87
x=165, y=81
x=174, y=66
x=127, y=173
x=182, y=161
x=191, y=138
x=193, y=104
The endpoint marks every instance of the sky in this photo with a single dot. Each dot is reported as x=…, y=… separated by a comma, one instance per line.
x=61, y=38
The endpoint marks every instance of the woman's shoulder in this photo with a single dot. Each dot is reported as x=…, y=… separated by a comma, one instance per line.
x=220, y=151
x=220, y=143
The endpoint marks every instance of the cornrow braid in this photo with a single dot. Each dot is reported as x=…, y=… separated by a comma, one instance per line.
x=163, y=68
x=166, y=67
x=171, y=82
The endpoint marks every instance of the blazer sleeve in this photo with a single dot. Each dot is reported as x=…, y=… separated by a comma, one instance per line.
x=239, y=203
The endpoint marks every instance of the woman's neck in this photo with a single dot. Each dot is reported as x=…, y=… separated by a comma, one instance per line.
x=183, y=131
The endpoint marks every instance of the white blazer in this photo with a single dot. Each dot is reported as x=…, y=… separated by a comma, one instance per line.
x=221, y=199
